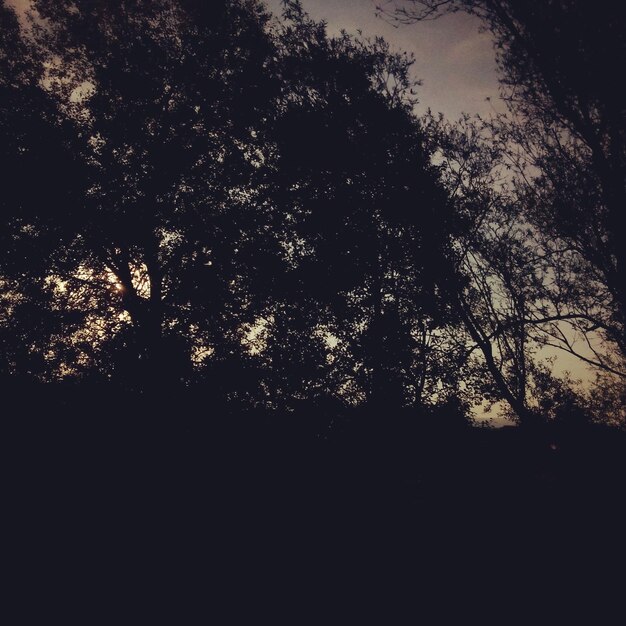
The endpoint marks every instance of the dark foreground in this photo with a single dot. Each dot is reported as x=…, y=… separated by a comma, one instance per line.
x=111, y=495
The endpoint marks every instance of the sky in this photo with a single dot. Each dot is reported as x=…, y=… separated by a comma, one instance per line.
x=455, y=61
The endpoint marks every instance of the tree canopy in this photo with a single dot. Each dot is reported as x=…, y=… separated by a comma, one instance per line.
x=245, y=203
x=561, y=148
x=220, y=197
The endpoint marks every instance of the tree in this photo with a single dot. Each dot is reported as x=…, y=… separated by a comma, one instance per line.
x=497, y=272
x=369, y=224
x=563, y=143
x=254, y=201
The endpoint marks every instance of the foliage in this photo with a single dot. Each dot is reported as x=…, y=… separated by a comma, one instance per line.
x=252, y=206
x=562, y=145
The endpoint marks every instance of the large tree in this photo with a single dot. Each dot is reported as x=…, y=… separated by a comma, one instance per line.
x=563, y=141
x=253, y=198
x=168, y=103
x=371, y=223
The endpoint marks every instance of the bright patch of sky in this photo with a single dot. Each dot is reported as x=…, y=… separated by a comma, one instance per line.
x=454, y=60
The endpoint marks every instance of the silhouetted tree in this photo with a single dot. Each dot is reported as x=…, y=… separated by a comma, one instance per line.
x=255, y=206
x=369, y=224
x=497, y=272
x=563, y=144
x=169, y=101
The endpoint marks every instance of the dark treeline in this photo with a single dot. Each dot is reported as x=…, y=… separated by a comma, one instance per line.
x=234, y=202
x=211, y=196
x=235, y=262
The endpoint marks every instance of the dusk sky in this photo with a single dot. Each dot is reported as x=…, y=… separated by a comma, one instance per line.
x=453, y=58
